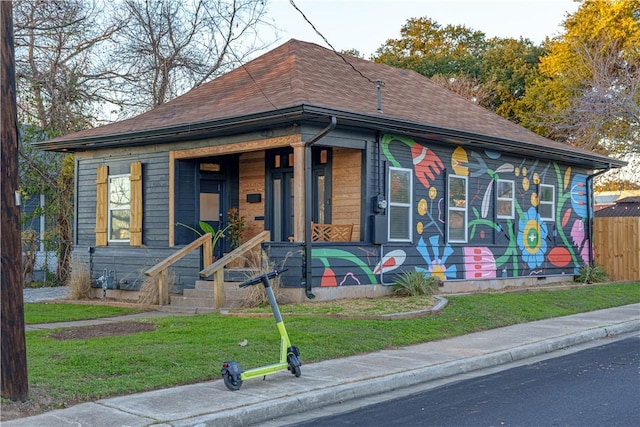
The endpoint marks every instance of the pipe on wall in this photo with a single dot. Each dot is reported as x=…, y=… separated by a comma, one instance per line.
x=308, y=207
x=590, y=210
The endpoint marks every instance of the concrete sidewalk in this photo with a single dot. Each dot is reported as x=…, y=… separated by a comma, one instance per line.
x=334, y=381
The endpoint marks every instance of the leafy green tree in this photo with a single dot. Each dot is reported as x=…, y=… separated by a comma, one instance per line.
x=428, y=48
x=507, y=66
x=492, y=73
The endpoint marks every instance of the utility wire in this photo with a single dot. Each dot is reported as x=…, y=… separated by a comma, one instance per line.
x=329, y=44
x=230, y=49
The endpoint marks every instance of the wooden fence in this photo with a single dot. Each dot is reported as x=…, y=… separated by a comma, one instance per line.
x=616, y=246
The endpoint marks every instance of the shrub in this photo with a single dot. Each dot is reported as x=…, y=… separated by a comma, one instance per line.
x=256, y=296
x=79, y=282
x=149, y=291
x=591, y=274
x=414, y=283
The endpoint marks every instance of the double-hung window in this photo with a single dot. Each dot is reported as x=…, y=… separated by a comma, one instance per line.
x=546, y=201
x=457, y=209
x=119, y=208
x=400, y=201
x=505, y=199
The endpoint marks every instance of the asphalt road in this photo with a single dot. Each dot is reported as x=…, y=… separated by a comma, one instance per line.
x=599, y=386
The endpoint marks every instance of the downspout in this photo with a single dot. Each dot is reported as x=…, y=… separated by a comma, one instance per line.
x=308, y=205
x=590, y=212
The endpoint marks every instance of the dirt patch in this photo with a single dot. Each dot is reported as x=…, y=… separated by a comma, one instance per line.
x=102, y=330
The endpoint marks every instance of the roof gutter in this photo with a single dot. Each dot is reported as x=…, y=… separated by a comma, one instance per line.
x=308, y=207
x=590, y=211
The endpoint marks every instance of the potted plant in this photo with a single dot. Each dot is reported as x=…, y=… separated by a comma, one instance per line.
x=236, y=227
x=216, y=235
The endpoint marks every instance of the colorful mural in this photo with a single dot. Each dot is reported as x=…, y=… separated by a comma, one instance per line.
x=524, y=217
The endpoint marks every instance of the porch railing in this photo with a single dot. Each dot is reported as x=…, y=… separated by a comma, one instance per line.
x=217, y=268
x=160, y=269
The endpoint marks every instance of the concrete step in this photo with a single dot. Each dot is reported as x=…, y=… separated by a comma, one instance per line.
x=198, y=293
x=185, y=301
x=184, y=310
x=202, y=298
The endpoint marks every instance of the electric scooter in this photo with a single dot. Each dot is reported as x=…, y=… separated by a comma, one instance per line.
x=232, y=373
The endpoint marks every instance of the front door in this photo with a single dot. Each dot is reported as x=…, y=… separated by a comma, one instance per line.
x=211, y=207
x=282, y=206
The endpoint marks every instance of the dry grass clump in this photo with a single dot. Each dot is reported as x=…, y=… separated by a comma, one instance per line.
x=256, y=296
x=79, y=282
x=149, y=290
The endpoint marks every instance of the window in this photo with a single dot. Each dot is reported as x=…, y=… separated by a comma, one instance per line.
x=457, y=209
x=119, y=208
x=505, y=199
x=546, y=199
x=400, y=195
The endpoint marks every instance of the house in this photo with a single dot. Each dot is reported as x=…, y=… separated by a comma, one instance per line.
x=604, y=199
x=423, y=178
x=38, y=260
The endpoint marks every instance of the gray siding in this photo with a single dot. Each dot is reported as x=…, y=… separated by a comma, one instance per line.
x=155, y=182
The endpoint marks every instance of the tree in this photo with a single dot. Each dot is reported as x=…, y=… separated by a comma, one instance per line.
x=60, y=84
x=61, y=77
x=507, y=66
x=429, y=49
x=13, y=375
x=588, y=90
x=168, y=47
x=491, y=73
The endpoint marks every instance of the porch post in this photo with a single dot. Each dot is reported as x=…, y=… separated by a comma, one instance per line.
x=298, y=191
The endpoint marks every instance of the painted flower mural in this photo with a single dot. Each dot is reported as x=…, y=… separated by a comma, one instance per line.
x=532, y=238
x=580, y=240
x=579, y=195
x=479, y=263
x=436, y=265
x=426, y=164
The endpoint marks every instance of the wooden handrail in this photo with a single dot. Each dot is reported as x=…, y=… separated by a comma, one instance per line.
x=217, y=268
x=235, y=254
x=160, y=268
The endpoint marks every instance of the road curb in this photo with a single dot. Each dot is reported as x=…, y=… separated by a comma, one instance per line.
x=272, y=409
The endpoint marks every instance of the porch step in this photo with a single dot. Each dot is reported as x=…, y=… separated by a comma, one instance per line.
x=201, y=299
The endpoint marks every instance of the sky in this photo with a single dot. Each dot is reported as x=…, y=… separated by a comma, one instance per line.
x=366, y=25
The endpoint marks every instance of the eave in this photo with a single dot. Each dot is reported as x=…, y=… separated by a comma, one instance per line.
x=233, y=125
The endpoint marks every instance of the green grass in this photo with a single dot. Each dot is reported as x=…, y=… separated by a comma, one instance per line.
x=35, y=313
x=187, y=349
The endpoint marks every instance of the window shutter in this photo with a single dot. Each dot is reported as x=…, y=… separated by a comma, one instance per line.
x=136, y=204
x=102, y=206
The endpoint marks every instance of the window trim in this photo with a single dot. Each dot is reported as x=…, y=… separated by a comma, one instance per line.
x=511, y=199
x=552, y=202
x=407, y=205
x=110, y=209
x=457, y=209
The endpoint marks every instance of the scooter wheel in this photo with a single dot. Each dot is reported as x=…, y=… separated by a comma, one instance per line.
x=232, y=383
x=294, y=364
x=296, y=371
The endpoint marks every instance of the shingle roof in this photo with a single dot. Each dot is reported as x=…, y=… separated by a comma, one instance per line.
x=629, y=206
x=305, y=75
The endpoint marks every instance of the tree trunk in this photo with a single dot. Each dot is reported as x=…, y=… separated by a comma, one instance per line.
x=13, y=348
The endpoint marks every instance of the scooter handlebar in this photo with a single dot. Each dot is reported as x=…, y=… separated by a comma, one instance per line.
x=259, y=279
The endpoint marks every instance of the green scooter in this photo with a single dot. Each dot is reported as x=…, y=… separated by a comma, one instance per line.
x=232, y=373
